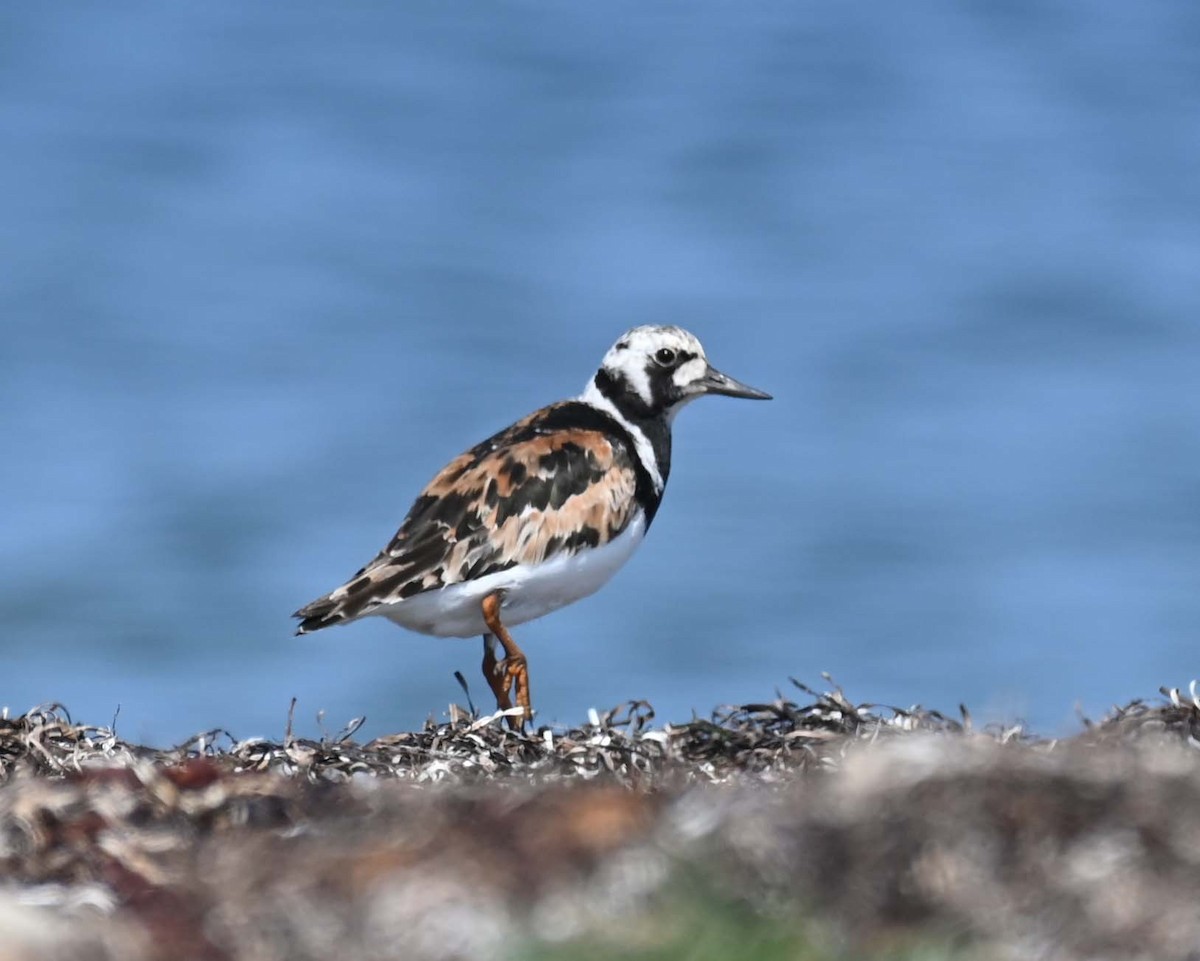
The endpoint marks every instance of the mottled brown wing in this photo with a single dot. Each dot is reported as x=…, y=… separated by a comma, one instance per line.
x=520, y=497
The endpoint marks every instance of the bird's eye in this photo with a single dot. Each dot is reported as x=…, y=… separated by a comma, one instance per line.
x=664, y=356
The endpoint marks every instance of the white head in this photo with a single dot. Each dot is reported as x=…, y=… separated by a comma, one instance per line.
x=655, y=371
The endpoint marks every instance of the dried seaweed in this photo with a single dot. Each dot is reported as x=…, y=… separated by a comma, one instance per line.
x=779, y=737
x=466, y=838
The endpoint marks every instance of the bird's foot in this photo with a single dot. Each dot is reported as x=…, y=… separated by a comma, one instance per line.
x=496, y=675
x=516, y=679
x=507, y=678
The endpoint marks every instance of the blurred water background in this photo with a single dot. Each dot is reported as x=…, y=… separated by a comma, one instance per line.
x=266, y=267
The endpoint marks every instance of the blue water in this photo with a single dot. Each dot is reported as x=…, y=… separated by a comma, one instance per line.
x=266, y=267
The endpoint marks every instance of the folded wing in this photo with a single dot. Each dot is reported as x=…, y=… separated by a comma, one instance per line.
x=535, y=490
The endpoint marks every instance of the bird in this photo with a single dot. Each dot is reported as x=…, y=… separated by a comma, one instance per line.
x=539, y=515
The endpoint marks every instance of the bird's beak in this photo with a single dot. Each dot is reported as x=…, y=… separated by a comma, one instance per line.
x=714, y=382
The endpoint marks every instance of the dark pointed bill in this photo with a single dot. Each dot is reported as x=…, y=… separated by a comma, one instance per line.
x=714, y=382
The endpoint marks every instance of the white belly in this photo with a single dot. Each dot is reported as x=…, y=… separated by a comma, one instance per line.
x=529, y=592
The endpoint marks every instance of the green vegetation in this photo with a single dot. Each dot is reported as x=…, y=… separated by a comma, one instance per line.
x=703, y=927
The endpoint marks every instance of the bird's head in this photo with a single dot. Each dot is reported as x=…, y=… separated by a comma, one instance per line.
x=655, y=371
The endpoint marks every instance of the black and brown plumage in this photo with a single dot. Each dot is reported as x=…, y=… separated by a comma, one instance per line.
x=540, y=514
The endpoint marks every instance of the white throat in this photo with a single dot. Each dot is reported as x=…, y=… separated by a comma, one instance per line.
x=644, y=449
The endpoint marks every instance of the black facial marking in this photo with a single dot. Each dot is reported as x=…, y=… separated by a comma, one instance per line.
x=628, y=401
x=650, y=419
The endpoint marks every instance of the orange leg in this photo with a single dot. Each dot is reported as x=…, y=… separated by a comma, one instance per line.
x=494, y=673
x=514, y=669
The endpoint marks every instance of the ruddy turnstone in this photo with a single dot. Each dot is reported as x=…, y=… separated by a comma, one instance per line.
x=539, y=515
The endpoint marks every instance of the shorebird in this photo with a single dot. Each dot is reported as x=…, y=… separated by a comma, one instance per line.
x=539, y=515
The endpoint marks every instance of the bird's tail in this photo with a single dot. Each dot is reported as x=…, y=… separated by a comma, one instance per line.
x=323, y=612
x=360, y=595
